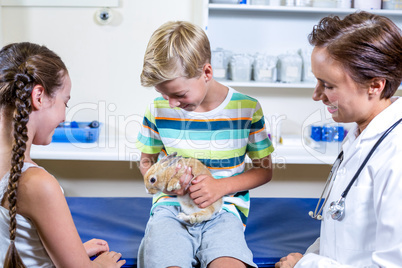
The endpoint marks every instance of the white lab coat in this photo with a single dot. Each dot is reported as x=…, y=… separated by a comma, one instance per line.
x=370, y=234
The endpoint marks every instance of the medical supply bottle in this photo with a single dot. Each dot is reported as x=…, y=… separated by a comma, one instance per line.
x=289, y=68
x=307, y=74
x=327, y=139
x=264, y=68
x=218, y=64
x=240, y=67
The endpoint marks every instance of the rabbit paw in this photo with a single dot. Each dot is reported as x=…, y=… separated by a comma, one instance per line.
x=183, y=216
x=189, y=218
x=173, y=186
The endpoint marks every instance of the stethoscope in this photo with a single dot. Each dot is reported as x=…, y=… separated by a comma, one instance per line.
x=337, y=208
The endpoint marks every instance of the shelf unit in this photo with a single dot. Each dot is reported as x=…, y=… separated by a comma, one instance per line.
x=240, y=17
x=230, y=7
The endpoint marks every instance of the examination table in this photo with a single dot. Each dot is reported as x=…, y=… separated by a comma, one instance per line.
x=276, y=226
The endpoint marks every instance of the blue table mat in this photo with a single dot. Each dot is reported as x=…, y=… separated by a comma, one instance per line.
x=275, y=227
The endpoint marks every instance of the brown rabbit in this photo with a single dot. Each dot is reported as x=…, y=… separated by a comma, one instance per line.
x=161, y=176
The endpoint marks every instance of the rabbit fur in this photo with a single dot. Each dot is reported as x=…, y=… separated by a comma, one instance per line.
x=161, y=176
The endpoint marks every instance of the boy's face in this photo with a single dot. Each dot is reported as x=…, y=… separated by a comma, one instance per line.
x=184, y=93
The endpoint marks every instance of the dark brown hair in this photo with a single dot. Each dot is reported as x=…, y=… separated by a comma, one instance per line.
x=367, y=45
x=22, y=66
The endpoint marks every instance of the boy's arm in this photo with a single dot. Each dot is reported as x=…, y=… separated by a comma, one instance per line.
x=206, y=190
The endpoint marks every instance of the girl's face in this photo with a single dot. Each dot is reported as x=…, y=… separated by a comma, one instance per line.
x=184, y=93
x=345, y=100
x=53, y=113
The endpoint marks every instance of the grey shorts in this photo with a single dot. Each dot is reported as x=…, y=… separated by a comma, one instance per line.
x=169, y=241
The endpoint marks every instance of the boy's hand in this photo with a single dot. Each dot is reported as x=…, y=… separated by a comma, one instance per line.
x=205, y=190
x=185, y=181
x=95, y=247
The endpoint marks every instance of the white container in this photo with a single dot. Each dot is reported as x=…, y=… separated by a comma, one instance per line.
x=288, y=3
x=240, y=67
x=392, y=4
x=275, y=3
x=367, y=4
x=344, y=3
x=307, y=74
x=218, y=64
x=303, y=3
x=264, y=68
x=225, y=1
x=324, y=3
x=259, y=2
x=289, y=68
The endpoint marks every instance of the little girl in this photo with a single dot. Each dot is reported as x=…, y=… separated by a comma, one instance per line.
x=36, y=227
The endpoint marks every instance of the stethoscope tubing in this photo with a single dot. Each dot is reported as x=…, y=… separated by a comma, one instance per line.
x=334, y=169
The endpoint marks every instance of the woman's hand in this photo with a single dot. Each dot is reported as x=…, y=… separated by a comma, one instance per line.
x=109, y=259
x=96, y=246
x=289, y=261
x=185, y=180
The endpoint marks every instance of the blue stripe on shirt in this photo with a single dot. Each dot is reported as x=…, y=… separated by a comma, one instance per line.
x=208, y=125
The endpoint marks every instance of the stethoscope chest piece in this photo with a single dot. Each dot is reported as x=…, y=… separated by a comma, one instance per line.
x=337, y=209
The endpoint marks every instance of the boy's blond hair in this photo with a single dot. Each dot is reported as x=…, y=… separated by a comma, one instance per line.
x=176, y=49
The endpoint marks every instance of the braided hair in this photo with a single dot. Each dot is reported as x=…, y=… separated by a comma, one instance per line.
x=22, y=66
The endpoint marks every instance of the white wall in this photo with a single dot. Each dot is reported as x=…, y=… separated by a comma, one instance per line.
x=105, y=63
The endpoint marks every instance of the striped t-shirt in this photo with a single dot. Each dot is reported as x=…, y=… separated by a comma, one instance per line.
x=219, y=138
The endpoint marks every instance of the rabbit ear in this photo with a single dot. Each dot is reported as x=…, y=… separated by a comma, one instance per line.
x=167, y=157
x=174, y=161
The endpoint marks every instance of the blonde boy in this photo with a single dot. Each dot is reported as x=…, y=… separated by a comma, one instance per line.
x=201, y=118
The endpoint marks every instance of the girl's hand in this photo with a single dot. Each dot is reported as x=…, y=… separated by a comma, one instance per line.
x=110, y=259
x=289, y=261
x=205, y=190
x=96, y=246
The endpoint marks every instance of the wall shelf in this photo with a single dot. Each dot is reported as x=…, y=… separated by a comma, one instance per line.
x=263, y=8
x=253, y=84
x=292, y=152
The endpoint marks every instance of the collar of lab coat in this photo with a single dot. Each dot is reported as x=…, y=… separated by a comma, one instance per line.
x=376, y=127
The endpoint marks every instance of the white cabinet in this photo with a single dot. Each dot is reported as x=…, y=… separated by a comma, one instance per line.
x=269, y=29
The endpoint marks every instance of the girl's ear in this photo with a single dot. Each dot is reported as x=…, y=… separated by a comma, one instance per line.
x=376, y=86
x=37, y=95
